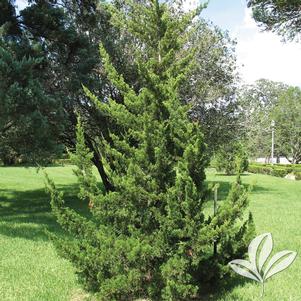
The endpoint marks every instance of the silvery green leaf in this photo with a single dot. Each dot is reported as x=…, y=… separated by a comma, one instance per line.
x=265, y=252
x=279, y=262
x=253, y=248
x=244, y=268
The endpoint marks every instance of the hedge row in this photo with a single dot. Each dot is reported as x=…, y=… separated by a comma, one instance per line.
x=276, y=170
x=296, y=167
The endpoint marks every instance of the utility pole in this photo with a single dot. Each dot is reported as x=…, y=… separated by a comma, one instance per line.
x=273, y=138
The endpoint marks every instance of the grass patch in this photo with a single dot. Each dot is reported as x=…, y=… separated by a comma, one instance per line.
x=30, y=269
x=276, y=207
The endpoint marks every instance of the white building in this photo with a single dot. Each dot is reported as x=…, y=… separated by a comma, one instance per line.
x=281, y=160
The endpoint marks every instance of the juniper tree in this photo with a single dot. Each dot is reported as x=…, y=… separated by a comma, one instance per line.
x=149, y=235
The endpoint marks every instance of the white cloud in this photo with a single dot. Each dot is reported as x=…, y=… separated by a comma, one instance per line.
x=248, y=21
x=263, y=55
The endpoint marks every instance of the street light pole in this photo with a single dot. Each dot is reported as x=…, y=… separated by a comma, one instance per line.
x=273, y=138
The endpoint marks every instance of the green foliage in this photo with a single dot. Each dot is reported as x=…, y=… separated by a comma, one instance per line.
x=149, y=235
x=297, y=175
x=231, y=159
x=212, y=85
x=82, y=159
x=8, y=20
x=287, y=116
x=29, y=117
x=257, y=102
x=280, y=16
x=266, y=101
x=270, y=170
x=64, y=38
x=276, y=170
x=66, y=35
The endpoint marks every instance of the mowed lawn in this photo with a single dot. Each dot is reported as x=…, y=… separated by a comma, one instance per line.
x=276, y=207
x=31, y=270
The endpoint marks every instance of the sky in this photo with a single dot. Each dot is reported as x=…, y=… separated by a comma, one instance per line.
x=259, y=54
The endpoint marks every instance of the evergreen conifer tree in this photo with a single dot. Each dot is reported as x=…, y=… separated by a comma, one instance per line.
x=149, y=236
x=30, y=119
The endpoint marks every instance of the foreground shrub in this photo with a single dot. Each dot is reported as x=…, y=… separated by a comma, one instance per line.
x=149, y=236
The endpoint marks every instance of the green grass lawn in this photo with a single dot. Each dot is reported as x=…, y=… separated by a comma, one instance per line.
x=276, y=207
x=31, y=270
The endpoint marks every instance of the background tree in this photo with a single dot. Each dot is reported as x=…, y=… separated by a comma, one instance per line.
x=257, y=101
x=30, y=118
x=231, y=158
x=287, y=116
x=66, y=35
x=149, y=237
x=211, y=87
x=280, y=16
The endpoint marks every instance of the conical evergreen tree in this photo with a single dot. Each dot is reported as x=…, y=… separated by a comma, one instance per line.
x=149, y=236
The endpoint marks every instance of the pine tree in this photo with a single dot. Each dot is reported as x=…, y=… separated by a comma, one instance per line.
x=30, y=119
x=149, y=236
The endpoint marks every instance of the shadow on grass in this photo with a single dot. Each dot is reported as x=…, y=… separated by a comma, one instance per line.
x=32, y=165
x=220, y=174
x=27, y=214
x=224, y=289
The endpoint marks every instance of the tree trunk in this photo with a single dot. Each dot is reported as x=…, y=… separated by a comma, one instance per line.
x=98, y=163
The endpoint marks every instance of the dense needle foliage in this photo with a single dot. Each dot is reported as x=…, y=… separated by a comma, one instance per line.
x=149, y=236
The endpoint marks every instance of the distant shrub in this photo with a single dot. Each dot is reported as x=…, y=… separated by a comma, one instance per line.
x=279, y=172
x=231, y=159
x=298, y=175
x=276, y=170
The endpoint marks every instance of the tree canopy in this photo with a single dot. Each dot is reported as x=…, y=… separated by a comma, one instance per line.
x=257, y=102
x=287, y=116
x=30, y=118
x=280, y=16
x=66, y=34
